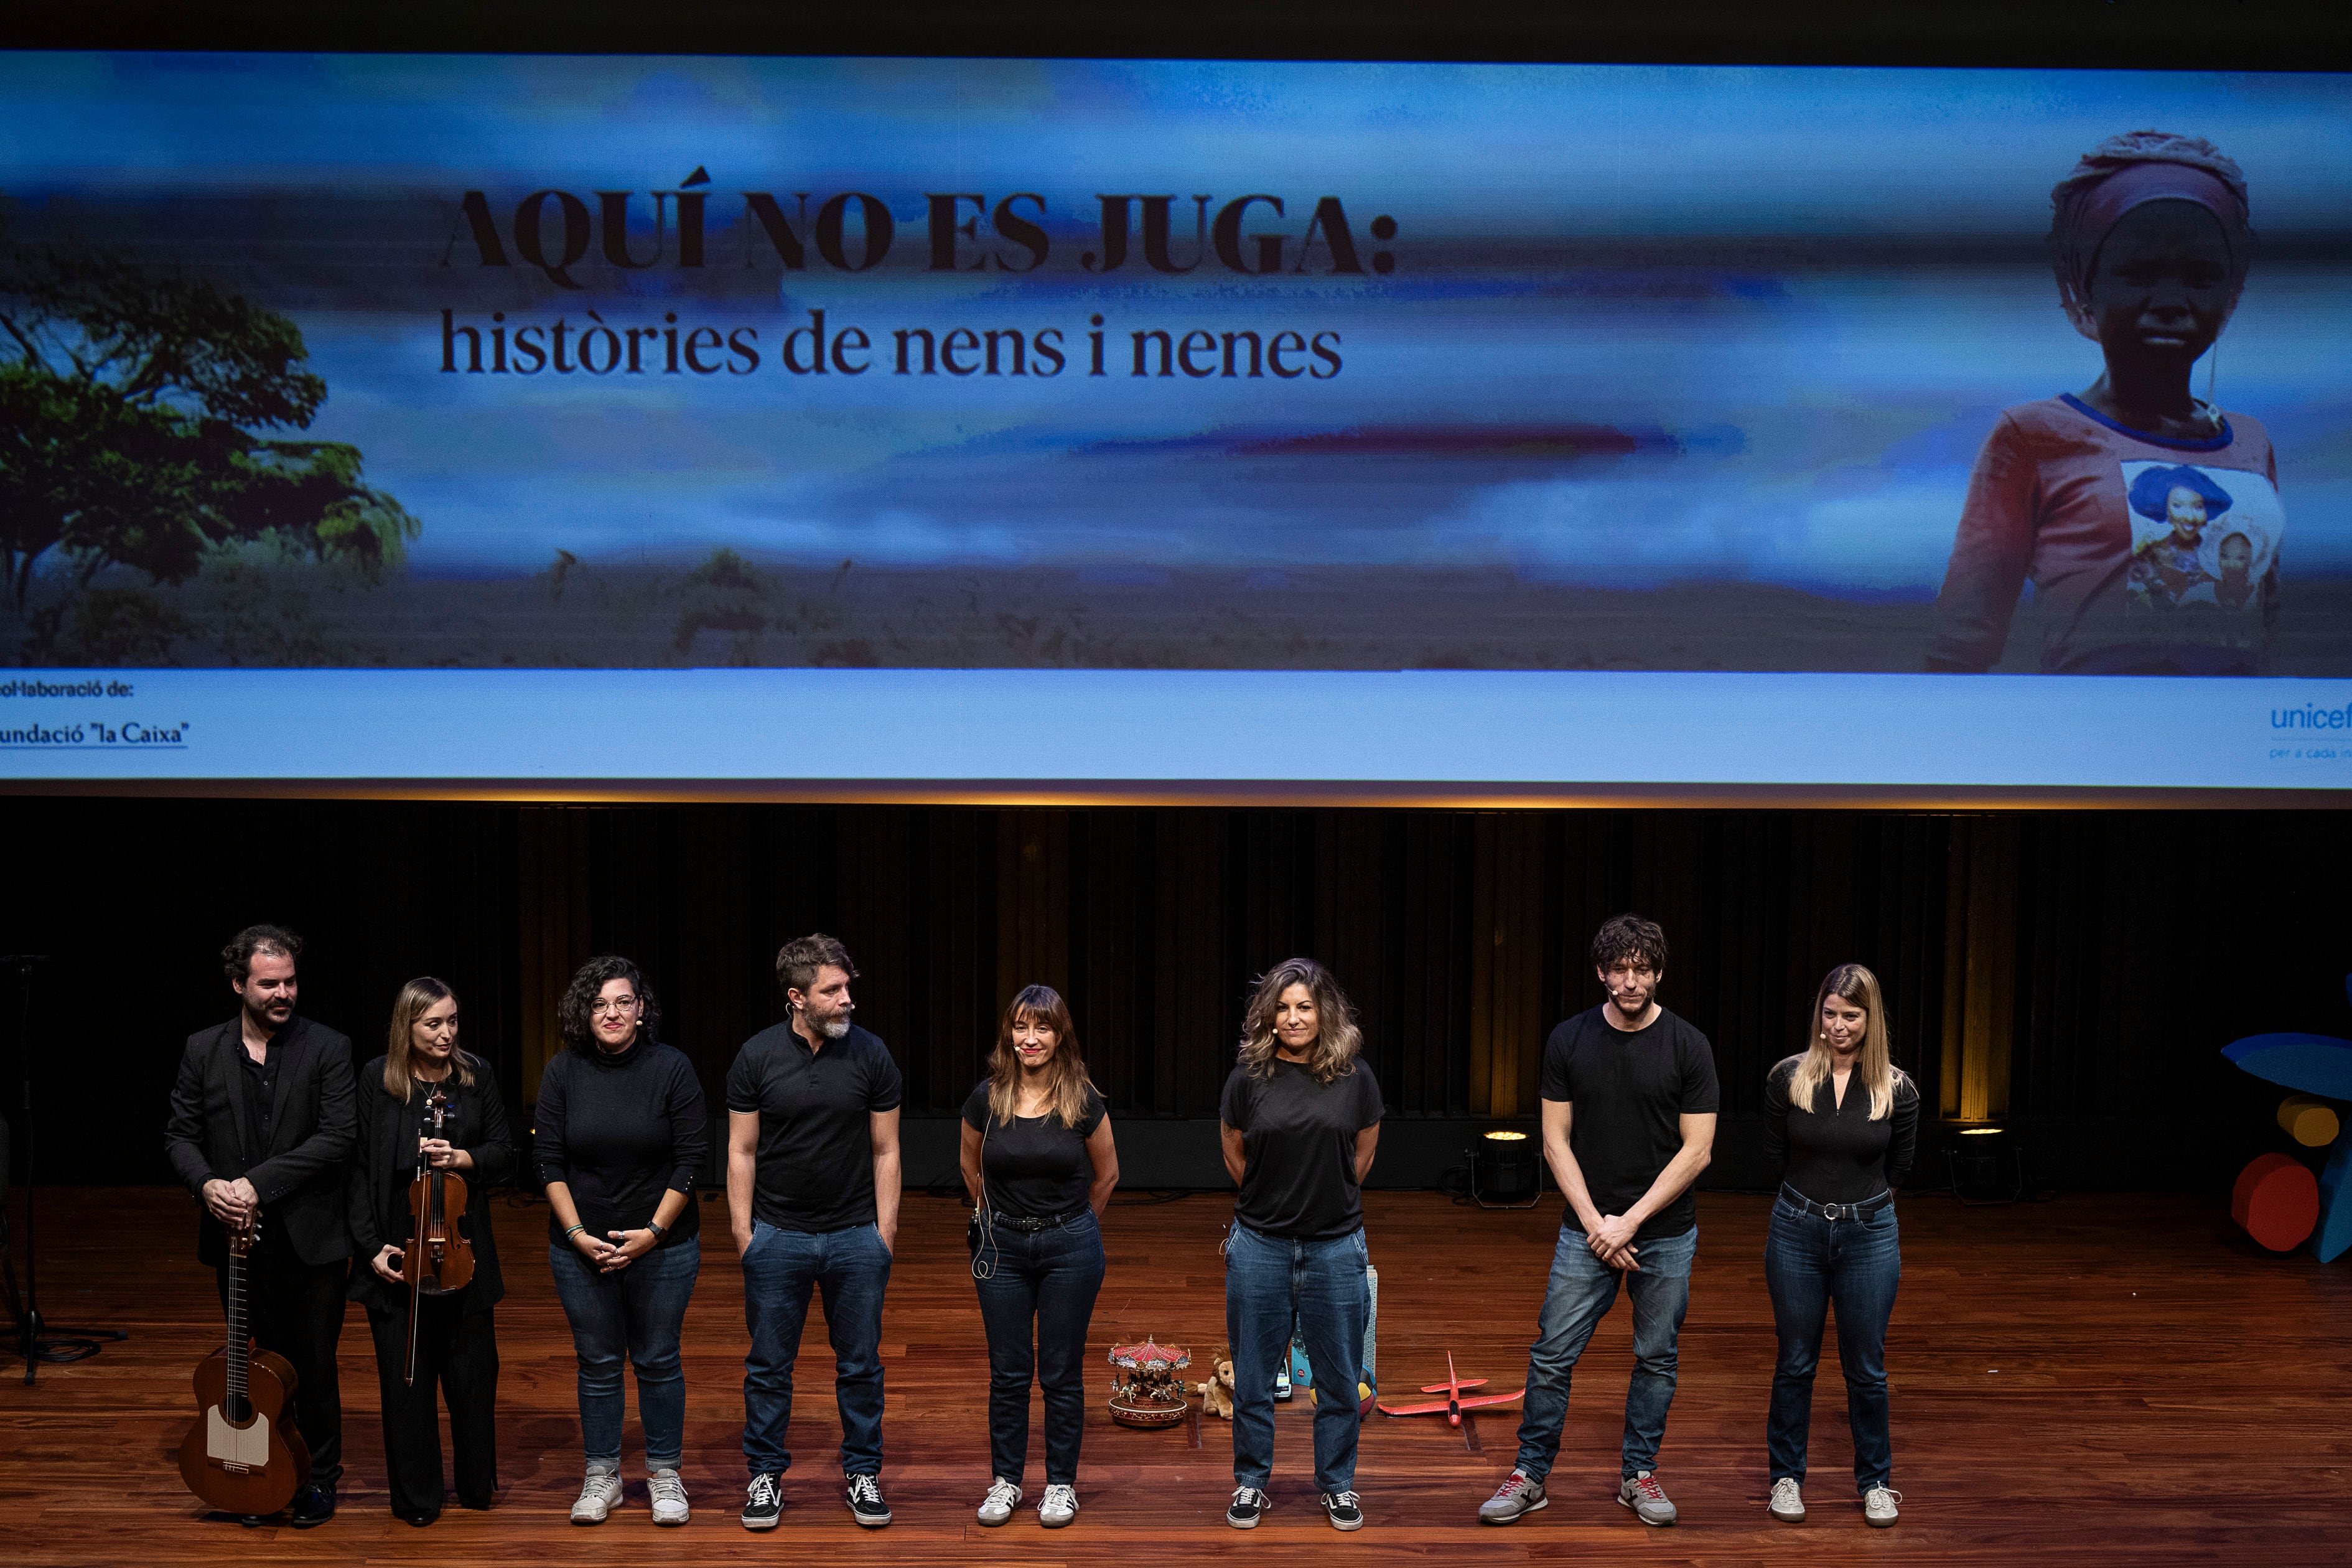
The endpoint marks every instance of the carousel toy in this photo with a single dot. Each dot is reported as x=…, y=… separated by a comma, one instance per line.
x=1149, y=1394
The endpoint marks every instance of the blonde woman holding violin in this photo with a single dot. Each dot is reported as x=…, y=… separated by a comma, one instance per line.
x=455, y=1341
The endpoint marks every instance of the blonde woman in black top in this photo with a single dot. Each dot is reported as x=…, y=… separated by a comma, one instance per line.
x=456, y=1338
x=1842, y=1120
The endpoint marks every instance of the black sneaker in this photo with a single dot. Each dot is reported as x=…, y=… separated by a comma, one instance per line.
x=1346, y=1513
x=764, y=1501
x=1249, y=1505
x=866, y=1504
x=313, y=1505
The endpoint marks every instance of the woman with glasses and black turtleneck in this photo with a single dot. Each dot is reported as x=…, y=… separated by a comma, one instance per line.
x=620, y=1141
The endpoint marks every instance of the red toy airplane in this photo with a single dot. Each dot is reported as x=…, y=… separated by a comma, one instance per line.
x=1453, y=1403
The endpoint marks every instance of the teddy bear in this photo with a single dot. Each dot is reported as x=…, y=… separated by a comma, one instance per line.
x=1217, y=1394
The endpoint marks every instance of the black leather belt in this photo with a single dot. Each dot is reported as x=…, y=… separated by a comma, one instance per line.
x=1015, y=1222
x=1862, y=1210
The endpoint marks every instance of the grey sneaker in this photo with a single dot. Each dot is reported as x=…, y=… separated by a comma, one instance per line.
x=1518, y=1494
x=1878, y=1506
x=1057, y=1507
x=997, y=1506
x=600, y=1494
x=669, y=1494
x=1788, y=1502
x=1647, y=1499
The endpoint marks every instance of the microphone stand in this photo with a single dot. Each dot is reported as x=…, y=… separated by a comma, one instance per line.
x=38, y=1340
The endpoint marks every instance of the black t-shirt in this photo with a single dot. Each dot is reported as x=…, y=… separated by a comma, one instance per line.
x=619, y=1132
x=815, y=1164
x=1035, y=1167
x=1835, y=1154
x=1299, y=1146
x=1630, y=1090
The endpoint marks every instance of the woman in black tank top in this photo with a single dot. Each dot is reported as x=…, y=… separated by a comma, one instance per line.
x=1841, y=1122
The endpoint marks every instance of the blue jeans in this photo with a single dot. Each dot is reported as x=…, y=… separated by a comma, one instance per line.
x=852, y=1267
x=1046, y=1278
x=1581, y=1290
x=634, y=1313
x=1808, y=1263
x=1270, y=1282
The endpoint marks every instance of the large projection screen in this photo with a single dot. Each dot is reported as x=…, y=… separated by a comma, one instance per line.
x=1095, y=428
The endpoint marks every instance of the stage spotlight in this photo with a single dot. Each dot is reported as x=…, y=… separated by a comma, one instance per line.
x=1988, y=1167
x=1505, y=1173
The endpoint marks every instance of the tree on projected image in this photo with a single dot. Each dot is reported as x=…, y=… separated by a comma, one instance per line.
x=134, y=408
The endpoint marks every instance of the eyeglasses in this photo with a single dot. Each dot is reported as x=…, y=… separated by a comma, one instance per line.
x=610, y=1006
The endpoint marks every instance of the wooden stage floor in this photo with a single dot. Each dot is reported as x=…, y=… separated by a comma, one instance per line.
x=2102, y=1379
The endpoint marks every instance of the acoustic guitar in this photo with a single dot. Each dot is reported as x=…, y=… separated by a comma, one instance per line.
x=242, y=1455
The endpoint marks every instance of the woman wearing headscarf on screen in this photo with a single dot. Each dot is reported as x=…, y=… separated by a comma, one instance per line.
x=2111, y=501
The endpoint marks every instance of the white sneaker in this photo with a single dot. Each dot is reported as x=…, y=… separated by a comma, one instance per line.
x=1058, y=1507
x=1788, y=1500
x=600, y=1494
x=997, y=1506
x=669, y=1497
x=1878, y=1506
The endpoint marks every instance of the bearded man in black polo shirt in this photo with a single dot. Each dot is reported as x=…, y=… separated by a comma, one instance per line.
x=262, y=1124
x=1629, y=1105
x=813, y=1192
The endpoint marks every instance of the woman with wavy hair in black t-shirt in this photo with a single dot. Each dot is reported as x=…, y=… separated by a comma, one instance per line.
x=1300, y=1119
x=1039, y=1164
x=1842, y=1120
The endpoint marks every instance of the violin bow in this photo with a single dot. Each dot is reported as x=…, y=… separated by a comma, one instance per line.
x=413, y=1267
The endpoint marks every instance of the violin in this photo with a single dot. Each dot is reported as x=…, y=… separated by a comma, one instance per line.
x=241, y=1455
x=439, y=1260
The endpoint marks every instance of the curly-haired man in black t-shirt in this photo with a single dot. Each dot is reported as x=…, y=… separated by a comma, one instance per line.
x=1629, y=1105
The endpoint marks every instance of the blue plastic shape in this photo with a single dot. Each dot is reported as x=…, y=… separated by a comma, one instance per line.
x=2309, y=1064
x=2334, y=1232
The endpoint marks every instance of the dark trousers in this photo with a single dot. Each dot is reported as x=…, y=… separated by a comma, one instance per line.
x=850, y=1269
x=1045, y=1279
x=1810, y=1264
x=458, y=1352
x=296, y=1308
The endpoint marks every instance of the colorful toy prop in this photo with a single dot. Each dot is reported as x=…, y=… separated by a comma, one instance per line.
x=2268, y=1200
x=1150, y=1394
x=1217, y=1392
x=1454, y=1403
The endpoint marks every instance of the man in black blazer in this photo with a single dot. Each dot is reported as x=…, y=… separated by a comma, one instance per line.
x=263, y=1122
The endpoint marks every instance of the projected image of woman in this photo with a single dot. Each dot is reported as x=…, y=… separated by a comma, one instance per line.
x=1841, y=1122
x=2107, y=501
x=1300, y=1120
x=1039, y=1164
x=620, y=1141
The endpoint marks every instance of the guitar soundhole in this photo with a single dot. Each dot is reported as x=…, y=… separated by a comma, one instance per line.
x=238, y=1408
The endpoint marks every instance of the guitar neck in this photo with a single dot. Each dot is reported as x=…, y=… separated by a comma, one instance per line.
x=239, y=1339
